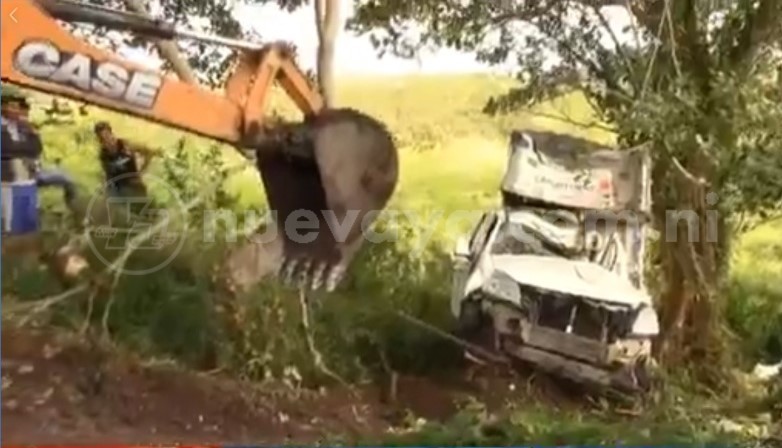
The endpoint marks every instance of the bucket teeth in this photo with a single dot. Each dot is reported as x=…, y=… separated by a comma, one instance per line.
x=334, y=277
x=289, y=271
x=302, y=278
x=336, y=160
x=317, y=275
x=304, y=273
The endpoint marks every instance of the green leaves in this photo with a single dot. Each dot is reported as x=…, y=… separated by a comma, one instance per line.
x=697, y=81
x=667, y=92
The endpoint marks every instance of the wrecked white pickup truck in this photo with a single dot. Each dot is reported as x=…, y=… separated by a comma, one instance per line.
x=555, y=275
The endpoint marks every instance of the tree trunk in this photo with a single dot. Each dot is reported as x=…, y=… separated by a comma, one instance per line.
x=327, y=21
x=694, y=261
x=167, y=49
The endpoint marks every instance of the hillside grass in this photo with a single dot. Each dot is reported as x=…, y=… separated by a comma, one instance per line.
x=755, y=302
x=452, y=154
x=452, y=157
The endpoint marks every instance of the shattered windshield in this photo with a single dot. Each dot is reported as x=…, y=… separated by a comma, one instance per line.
x=548, y=233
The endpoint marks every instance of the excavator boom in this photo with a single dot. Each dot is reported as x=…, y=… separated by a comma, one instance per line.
x=337, y=164
x=40, y=54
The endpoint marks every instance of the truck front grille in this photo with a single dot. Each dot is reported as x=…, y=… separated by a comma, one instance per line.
x=576, y=315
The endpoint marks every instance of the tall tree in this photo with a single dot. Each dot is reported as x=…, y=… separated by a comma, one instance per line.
x=694, y=80
x=327, y=23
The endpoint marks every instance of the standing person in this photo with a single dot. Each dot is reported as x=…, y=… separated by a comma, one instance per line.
x=48, y=177
x=118, y=158
x=21, y=147
x=19, y=139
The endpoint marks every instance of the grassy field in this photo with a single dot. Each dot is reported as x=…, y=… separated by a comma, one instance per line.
x=452, y=157
x=437, y=121
x=755, y=304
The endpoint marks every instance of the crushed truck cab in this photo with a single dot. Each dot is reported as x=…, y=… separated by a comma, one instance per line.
x=555, y=274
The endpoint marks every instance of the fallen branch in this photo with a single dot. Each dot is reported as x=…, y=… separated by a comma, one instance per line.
x=317, y=357
x=112, y=298
x=90, y=307
x=688, y=175
x=139, y=239
x=42, y=305
x=39, y=306
x=458, y=341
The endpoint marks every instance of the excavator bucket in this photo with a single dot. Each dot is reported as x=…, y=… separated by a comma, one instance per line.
x=326, y=180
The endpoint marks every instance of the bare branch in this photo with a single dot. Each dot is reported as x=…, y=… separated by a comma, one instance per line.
x=672, y=30
x=317, y=357
x=167, y=49
x=568, y=120
x=618, y=46
x=527, y=14
x=700, y=181
x=33, y=308
x=653, y=58
x=634, y=23
x=760, y=26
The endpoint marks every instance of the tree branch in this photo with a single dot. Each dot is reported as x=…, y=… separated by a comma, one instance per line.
x=617, y=45
x=758, y=29
x=167, y=49
x=528, y=13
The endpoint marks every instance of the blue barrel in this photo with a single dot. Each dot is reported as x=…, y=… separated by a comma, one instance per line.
x=19, y=203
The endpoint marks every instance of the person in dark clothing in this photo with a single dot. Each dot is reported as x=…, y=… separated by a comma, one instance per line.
x=119, y=160
x=19, y=141
x=20, y=148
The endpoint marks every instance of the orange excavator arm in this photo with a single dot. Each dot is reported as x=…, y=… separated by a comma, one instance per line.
x=40, y=54
x=337, y=167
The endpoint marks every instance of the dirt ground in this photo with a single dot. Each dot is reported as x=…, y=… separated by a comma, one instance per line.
x=57, y=391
